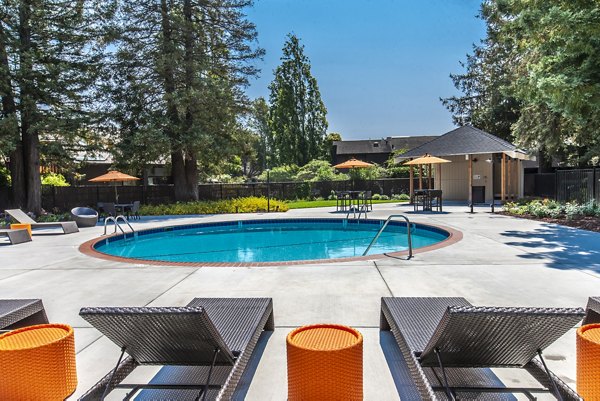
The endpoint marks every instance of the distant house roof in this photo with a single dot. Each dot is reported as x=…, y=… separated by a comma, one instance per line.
x=466, y=140
x=387, y=145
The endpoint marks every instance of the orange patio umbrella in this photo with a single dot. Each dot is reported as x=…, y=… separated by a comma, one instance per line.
x=353, y=163
x=114, y=176
x=427, y=159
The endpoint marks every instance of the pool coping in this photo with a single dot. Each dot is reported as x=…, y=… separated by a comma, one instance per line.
x=87, y=248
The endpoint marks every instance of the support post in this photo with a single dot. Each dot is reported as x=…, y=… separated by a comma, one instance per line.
x=471, y=183
x=411, y=185
x=420, y=176
x=503, y=178
x=509, y=179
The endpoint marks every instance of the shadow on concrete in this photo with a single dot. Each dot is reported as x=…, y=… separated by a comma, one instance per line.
x=407, y=390
x=246, y=379
x=564, y=247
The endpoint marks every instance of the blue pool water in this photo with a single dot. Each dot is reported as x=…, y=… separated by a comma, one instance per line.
x=268, y=241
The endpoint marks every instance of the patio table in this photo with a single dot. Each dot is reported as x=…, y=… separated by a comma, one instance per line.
x=38, y=363
x=588, y=361
x=425, y=198
x=125, y=208
x=325, y=362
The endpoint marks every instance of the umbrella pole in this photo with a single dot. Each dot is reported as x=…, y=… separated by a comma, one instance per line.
x=429, y=175
x=116, y=194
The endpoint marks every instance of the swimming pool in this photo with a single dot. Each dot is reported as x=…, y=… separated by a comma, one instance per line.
x=265, y=241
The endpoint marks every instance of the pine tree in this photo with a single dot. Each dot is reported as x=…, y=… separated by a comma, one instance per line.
x=297, y=115
x=188, y=61
x=49, y=59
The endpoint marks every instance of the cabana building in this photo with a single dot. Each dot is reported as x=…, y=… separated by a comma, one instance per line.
x=482, y=166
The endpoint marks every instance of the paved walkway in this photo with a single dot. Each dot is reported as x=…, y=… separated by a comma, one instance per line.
x=501, y=261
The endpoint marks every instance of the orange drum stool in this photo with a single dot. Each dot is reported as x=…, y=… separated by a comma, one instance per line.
x=588, y=361
x=38, y=363
x=27, y=226
x=325, y=362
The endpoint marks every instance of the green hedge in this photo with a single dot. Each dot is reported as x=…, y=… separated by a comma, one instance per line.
x=239, y=205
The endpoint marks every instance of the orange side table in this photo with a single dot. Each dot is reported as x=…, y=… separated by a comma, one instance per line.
x=38, y=363
x=27, y=226
x=588, y=361
x=325, y=362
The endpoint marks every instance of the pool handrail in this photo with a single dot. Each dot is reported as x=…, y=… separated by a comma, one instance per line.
x=116, y=221
x=408, y=232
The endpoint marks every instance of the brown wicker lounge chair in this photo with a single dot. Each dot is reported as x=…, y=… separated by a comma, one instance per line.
x=17, y=313
x=204, y=346
x=449, y=346
x=592, y=312
x=16, y=236
x=68, y=227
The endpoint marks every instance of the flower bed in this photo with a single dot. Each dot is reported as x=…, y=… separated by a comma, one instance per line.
x=585, y=216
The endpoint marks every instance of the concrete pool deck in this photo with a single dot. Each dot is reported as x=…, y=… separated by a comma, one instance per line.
x=501, y=261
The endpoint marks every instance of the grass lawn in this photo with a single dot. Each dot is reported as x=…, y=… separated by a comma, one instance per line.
x=303, y=204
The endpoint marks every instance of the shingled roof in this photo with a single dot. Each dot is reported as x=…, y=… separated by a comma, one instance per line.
x=388, y=145
x=466, y=140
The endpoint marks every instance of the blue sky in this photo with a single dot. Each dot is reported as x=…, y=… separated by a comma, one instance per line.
x=381, y=65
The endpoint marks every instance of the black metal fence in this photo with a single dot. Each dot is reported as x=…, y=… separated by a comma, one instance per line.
x=65, y=198
x=581, y=185
x=541, y=185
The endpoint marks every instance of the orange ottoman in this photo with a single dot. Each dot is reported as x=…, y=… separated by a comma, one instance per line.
x=16, y=226
x=325, y=362
x=38, y=363
x=588, y=361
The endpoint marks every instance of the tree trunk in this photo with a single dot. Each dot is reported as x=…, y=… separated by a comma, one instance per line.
x=191, y=160
x=191, y=176
x=31, y=156
x=177, y=162
x=9, y=110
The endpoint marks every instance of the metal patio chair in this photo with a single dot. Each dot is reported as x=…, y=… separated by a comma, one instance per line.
x=449, y=346
x=204, y=347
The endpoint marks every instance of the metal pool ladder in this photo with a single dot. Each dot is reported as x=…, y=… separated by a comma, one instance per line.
x=116, y=221
x=408, y=232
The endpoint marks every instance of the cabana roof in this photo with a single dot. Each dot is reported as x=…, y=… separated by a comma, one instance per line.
x=466, y=140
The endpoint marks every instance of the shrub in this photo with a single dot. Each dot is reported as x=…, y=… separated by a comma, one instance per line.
x=239, y=205
x=376, y=196
x=402, y=197
x=280, y=174
x=55, y=180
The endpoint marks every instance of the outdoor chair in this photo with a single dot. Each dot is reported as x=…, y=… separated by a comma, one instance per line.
x=368, y=200
x=341, y=199
x=135, y=210
x=592, y=312
x=204, y=347
x=16, y=236
x=68, y=227
x=17, y=313
x=449, y=345
x=108, y=209
x=84, y=216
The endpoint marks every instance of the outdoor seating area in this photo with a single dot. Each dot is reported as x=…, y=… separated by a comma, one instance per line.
x=448, y=345
x=248, y=336
x=353, y=200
